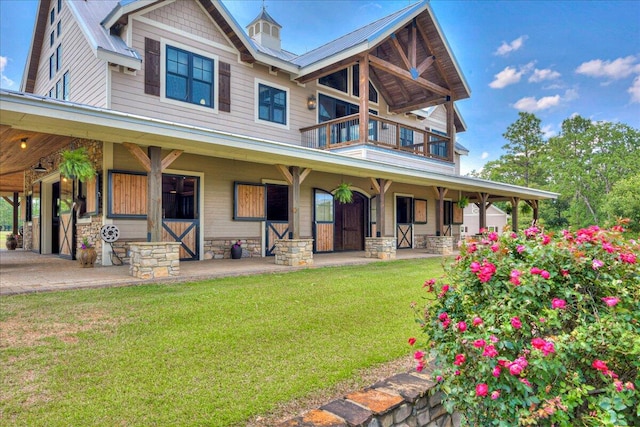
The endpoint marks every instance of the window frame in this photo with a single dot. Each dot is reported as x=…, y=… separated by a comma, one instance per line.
x=52, y=66
x=58, y=57
x=258, y=83
x=65, y=86
x=164, y=43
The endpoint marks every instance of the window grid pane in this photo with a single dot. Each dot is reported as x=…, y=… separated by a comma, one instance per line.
x=272, y=104
x=189, y=77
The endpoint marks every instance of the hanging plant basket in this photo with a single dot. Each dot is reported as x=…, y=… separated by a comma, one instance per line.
x=463, y=202
x=75, y=164
x=343, y=193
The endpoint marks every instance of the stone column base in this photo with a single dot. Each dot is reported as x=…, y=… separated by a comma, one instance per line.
x=441, y=245
x=380, y=247
x=153, y=260
x=294, y=252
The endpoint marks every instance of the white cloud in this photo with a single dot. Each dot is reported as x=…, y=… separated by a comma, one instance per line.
x=541, y=75
x=484, y=155
x=5, y=81
x=548, y=131
x=530, y=104
x=506, y=48
x=634, y=90
x=616, y=69
x=509, y=76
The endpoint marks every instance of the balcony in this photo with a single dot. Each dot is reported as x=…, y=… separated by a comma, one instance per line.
x=382, y=132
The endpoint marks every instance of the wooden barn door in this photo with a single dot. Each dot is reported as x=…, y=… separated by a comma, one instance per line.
x=277, y=215
x=180, y=218
x=323, y=221
x=63, y=215
x=350, y=224
x=404, y=222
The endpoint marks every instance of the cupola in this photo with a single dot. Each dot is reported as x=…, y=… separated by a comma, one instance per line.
x=265, y=31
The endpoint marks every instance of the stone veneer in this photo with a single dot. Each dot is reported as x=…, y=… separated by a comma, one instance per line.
x=153, y=260
x=220, y=248
x=380, y=247
x=294, y=252
x=399, y=401
x=442, y=245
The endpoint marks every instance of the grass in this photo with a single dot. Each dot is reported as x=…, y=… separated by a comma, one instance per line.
x=214, y=353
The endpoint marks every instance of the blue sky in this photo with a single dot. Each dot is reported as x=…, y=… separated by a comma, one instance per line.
x=551, y=58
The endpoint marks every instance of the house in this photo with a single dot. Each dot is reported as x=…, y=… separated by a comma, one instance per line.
x=496, y=220
x=204, y=133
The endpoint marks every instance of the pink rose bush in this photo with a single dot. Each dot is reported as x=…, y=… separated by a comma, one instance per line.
x=547, y=329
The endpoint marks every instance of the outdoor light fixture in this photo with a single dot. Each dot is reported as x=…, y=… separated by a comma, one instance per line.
x=40, y=168
x=312, y=103
x=23, y=143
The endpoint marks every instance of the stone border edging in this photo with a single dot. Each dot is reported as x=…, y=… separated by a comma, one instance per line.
x=399, y=401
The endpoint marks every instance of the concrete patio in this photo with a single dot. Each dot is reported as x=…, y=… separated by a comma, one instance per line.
x=23, y=272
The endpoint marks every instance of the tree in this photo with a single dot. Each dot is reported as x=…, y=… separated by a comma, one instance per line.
x=624, y=202
x=586, y=160
x=522, y=160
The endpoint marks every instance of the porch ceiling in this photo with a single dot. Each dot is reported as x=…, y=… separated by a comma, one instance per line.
x=15, y=159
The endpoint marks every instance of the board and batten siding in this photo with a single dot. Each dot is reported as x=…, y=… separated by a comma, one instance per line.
x=87, y=73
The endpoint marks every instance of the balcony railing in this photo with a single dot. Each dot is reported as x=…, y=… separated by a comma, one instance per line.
x=382, y=132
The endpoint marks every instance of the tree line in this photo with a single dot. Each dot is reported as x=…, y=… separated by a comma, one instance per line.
x=594, y=166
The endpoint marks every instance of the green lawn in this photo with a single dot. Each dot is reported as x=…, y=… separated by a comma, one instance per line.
x=208, y=353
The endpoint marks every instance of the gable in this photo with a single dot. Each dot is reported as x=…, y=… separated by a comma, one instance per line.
x=186, y=17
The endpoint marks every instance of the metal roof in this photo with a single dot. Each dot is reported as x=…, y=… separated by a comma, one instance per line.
x=367, y=33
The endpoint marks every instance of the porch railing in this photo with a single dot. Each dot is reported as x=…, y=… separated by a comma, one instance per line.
x=382, y=132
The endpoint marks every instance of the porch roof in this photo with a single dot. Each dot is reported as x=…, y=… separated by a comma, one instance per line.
x=31, y=116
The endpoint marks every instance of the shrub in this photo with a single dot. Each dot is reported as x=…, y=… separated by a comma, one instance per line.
x=536, y=329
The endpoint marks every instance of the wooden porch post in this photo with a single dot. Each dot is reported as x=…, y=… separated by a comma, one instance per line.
x=514, y=213
x=451, y=129
x=364, y=98
x=482, y=204
x=380, y=214
x=294, y=203
x=154, y=196
x=441, y=192
x=15, y=203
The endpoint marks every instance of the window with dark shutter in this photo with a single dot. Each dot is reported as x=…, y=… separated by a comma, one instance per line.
x=152, y=67
x=224, y=87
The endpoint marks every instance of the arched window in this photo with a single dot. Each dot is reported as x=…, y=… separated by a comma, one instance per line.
x=275, y=32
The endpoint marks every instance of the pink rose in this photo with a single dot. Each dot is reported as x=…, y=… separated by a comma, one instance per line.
x=418, y=355
x=546, y=239
x=515, y=369
x=493, y=236
x=558, y=303
x=496, y=371
x=443, y=316
x=462, y=326
x=495, y=247
x=482, y=390
x=535, y=270
x=477, y=321
x=490, y=351
x=412, y=341
x=429, y=284
x=474, y=266
x=516, y=323
x=439, y=378
x=493, y=339
x=545, y=274
x=460, y=358
x=596, y=264
x=495, y=394
x=479, y=343
x=520, y=249
x=629, y=258
x=611, y=301
x=600, y=365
